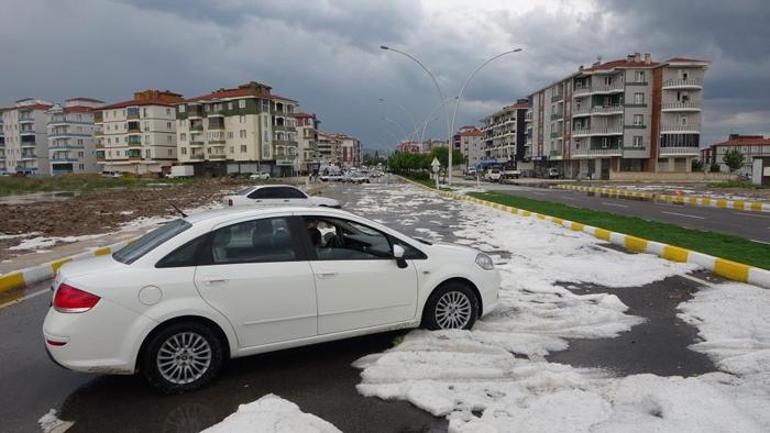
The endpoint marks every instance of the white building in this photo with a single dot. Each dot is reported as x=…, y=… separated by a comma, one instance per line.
x=25, y=137
x=471, y=144
x=238, y=130
x=71, y=146
x=138, y=136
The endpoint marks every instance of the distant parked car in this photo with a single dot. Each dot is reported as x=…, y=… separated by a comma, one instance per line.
x=277, y=195
x=180, y=301
x=511, y=174
x=260, y=176
x=553, y=173
x=493, y=175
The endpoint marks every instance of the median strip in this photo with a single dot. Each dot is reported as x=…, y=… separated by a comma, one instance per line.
x=744, y=205
x=723, y=267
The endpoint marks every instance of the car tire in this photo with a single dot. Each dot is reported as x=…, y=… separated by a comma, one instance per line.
x=182, y=357
x=453, y=305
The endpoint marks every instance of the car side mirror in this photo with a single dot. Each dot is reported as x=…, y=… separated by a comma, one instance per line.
x=398, y=254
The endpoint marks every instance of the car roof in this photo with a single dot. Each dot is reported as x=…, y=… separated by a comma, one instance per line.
x=227, y=214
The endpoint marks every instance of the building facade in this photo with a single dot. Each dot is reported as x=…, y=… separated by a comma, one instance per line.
x=628, y=115
x=246, y=129
x=505, y=135
x=3, y=169
x=469, y=141
x=350, y=151
x=71, y=145
x=138, y=136
x=307, y=142
x=751, y=146
x=25, y=137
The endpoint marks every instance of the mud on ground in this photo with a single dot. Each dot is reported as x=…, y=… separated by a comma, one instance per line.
x=103, y=211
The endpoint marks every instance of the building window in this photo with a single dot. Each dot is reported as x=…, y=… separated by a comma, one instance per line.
x=182, y=108
x=243, y=149
x=230, y=134
x=147, y=139
x=169, y=139
x=242, y=119
x=183, y=137
x=243, y=133
x=639, y=77
x=184, y=150
x=638, y=119
x=638, y=98
x=638, y=141
x=168, y=111
x=170, y=152
x=241, y=103
x=144, y=112
x=147, y=153
x=683, y=120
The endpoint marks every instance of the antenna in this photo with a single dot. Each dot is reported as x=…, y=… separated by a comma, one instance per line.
x=176, y=208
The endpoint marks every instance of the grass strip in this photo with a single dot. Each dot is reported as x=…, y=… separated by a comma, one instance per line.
x=716, y=244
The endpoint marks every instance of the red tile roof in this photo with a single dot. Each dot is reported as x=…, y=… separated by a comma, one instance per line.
x=623, y=63
x=138, y=103
x=301, y=114
x=42, y=107
x=520, y=106
x=79, y=109
x=744, y=140
x=252, y=89
x=84, y=99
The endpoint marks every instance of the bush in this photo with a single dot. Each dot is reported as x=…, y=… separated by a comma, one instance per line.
x=714, y=168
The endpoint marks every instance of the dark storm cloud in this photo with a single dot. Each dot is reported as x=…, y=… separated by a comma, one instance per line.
x=326, y=53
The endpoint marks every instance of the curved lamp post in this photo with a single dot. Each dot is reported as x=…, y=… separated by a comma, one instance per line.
x=404, y=109
x=460, y=96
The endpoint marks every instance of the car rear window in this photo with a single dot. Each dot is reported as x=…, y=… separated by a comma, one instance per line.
x=138, y=248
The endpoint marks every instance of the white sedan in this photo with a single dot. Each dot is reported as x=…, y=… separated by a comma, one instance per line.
x=177, y=303
x=277, y=195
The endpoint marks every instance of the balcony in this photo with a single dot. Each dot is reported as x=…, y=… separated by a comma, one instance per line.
x=692, y=128
x=679, y=151
x=607, y=110
x=197, y=156
x=680, y=106
x=134, y=154
x=194, y=111
x=132, y=113
x=556, y=116
x=555, y=98
x=63, y=158
x=100, y=156
x=635, y=152
x=556, y=134
x=689, y=83
x=196, y=126
x=134, y=140
x=26, y=117
x=597, y=152
x=597, y=130
x=216, y=123
x=598, y=88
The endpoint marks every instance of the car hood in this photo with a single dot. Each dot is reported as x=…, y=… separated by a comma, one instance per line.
x=445, y=249
x=324, y=201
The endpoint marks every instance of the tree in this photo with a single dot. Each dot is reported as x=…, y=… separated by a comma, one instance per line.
x=714, y=168
x=697, y=165
x=733, y=159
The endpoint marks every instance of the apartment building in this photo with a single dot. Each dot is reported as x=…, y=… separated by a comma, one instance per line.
x=3, y=169
x=350, y=151
x=138, y=136
x=469, y=141
x=25, y=137
x=307, y=142
x=245, y=129
x=633, y=115
x=751, y=146
x=409, y=147
x=71, y=145
x=505, y=135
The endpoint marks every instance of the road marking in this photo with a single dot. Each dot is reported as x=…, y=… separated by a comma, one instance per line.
x=686, y=215
x=761, y=242
x=750, y=214
x=24, y=298
x=614, y=204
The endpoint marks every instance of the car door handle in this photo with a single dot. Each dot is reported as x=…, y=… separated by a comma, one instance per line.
x=213, y=281
x=286, y=201
x=327, y=274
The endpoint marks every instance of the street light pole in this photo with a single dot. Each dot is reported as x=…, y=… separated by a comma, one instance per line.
x=404, y=109
x=460, y=96
x=438, y=89
x=403, y=130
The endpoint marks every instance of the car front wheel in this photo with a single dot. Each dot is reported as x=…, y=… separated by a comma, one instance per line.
x=182, y=357
x=452, y=305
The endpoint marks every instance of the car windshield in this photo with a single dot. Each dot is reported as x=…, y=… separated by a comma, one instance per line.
x=138, y=248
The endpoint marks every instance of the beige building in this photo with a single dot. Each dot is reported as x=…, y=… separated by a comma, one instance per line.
x=350, y=151
x=138, y=136
x=246, y=129
x=71, y=145
x=469, y=141
x=307, y=142
x=25, y=137
x=631, y=115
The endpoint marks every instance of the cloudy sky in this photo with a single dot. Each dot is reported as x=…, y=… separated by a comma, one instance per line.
x=325, y=53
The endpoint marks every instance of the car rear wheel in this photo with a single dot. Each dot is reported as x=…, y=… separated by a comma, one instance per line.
x=182, y=357
x=452, y=305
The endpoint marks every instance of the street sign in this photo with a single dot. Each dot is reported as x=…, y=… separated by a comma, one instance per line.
x=435, y=165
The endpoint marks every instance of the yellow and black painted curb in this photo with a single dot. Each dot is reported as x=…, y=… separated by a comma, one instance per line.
x=745, y=205
x=719, y=266
x=25, y=277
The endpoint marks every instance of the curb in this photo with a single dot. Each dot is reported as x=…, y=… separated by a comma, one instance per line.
x=35, y=274
x=745, y=205
x=725, y=268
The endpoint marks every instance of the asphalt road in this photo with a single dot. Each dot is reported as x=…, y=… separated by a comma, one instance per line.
x=749, y=225
x=318, y=378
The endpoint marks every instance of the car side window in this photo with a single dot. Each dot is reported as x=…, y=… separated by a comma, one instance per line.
x=286, y=192
x=256, y=241
x=410, y=252
x=261, y=193
x=189, y=254
x=339, y=239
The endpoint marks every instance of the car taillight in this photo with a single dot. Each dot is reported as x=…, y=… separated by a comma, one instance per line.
x=230, y=202
x=71, y=300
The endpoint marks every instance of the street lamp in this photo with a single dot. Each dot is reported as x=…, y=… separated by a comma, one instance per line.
x=403, y=130
x=438, y=89
x=404, y=109
x=460, y=96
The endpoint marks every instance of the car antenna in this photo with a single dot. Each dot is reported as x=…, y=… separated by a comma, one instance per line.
x=176, y=208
